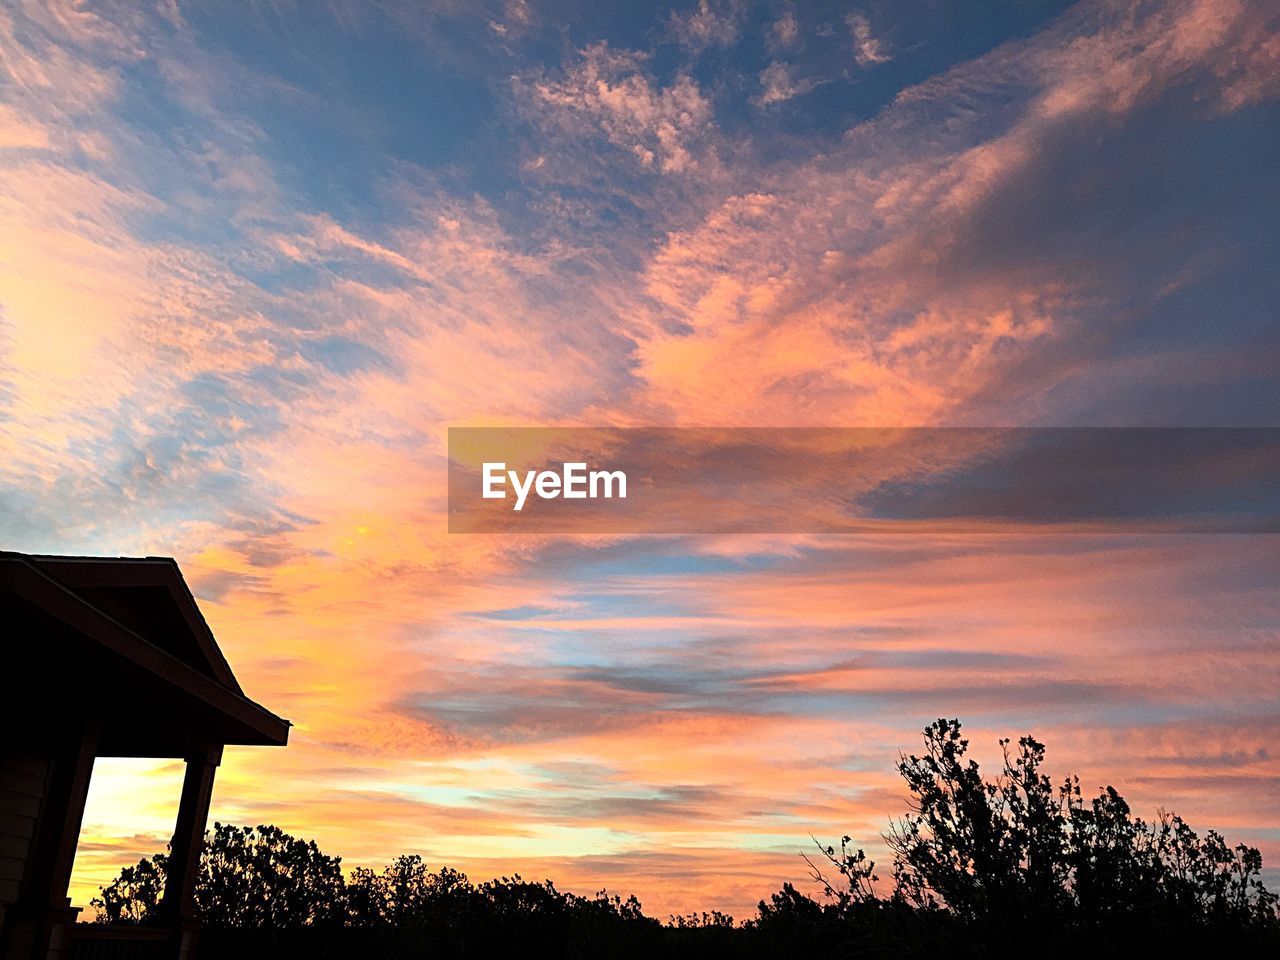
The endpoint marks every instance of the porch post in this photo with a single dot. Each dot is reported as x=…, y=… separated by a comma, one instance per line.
x=178, y=905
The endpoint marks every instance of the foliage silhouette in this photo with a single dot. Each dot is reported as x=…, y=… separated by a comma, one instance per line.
x=980, y=868
x=249, y=877
x=1016, y=857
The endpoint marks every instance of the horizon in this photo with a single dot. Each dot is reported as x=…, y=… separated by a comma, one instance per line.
x=255, y=264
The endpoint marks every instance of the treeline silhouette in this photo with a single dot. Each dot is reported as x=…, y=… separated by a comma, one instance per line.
x=1013, y=865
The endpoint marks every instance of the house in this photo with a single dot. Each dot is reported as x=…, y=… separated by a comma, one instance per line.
x=104, y=657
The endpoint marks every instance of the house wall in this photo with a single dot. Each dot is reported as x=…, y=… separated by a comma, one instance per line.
x=24, y=781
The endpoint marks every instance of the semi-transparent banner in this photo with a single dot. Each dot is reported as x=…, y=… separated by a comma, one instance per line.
x=863, y=480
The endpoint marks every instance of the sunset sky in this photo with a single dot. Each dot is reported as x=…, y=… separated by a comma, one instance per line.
x=256, y=258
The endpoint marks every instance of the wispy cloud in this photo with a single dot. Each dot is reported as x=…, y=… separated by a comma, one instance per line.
x=786, y=30
x=778, y=85
x=712, y=23
x=608, y=92
x=868, y=49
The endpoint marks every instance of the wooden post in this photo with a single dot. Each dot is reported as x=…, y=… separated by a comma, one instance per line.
x=178, y=905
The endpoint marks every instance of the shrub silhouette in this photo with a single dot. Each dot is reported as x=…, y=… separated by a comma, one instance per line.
x=249, y=877
x=134, y=896
x=980, y=867
x=1016, y=856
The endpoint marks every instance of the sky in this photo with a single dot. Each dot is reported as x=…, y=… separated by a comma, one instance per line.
x=257, y=258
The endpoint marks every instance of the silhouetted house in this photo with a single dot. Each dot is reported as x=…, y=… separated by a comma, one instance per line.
x=104, y=658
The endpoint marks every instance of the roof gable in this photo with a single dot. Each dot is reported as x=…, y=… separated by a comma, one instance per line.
x=149, y=596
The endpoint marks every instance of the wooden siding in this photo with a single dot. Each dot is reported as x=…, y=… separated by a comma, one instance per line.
x=23, y=780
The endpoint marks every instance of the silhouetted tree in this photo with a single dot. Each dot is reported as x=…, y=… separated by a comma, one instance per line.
x=981, y=867
x=134, y=896
x=261, y=876
x=249, y=877
x=701, y=921
x=1015, y=853
x=991, y=851
x=403, y=887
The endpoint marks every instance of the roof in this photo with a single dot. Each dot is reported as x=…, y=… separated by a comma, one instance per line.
x=124, y=636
